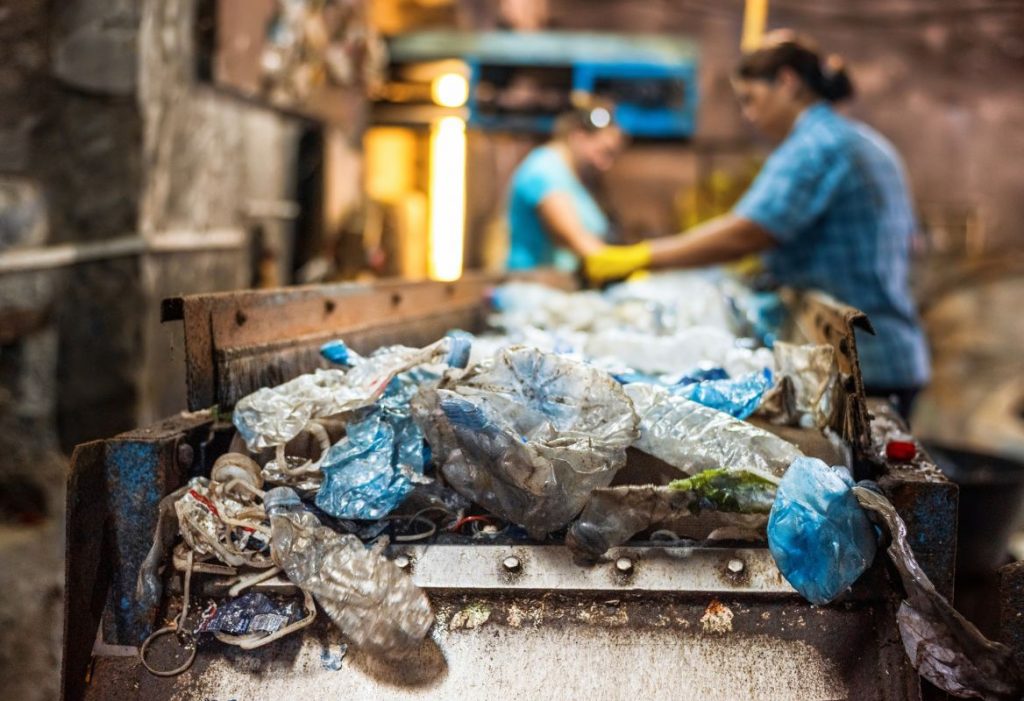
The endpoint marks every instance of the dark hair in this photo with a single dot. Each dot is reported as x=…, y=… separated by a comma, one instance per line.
x=825, y=77
x=589, y=114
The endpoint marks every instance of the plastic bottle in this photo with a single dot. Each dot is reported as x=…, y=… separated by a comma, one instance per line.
x=373, y=602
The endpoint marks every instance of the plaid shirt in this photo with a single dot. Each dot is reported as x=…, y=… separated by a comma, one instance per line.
x=835, y=197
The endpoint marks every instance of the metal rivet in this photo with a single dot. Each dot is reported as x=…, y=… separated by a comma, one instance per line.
x=624, y=565
x=735, y=566
x=402, y=561
x=511, y=563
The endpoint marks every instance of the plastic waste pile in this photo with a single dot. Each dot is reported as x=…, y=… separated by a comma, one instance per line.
x=519, y=433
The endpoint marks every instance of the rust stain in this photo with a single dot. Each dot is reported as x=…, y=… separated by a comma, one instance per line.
x=717, y=618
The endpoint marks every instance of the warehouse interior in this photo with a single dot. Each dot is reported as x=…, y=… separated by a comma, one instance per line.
x=152, y=151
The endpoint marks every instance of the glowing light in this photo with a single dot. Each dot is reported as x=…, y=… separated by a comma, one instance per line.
x=447, y=197
x=450, y=90
x=600, y=117
x=755, y=15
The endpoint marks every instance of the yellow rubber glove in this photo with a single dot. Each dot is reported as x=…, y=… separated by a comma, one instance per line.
x=616, y=262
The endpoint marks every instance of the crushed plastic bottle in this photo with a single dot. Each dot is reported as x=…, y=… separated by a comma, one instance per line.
x=821, y=539
x=529, y=436
x=737, y=397
x=373, y=602
x=272, y=416
x=944, y=647
x=613, y=515
x=694, y=438
x=381, y=458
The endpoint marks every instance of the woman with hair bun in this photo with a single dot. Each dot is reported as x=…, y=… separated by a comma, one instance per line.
x=553, y=217
x=829, y=210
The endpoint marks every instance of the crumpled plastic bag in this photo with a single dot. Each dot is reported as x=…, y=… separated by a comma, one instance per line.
x=944, y=647
x=686, y=350
x=527, y=304
x=613, y=515
x=529, y=435
x=252, y=612
x=821, y=539
x=672, y=381
x=806, y=394
x=739, y=397
x=380, y=459
x=272, y=416
x=694, y=438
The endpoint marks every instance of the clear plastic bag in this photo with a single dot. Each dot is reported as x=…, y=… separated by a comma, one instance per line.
x=694, y=438
x=273, y=416
x=529, y=436
x=682, y=352
x=821, y=539
x=373, y=602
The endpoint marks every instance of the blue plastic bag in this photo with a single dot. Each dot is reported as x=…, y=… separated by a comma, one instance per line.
x=739, y=397
x=372, y=469
x=701, y=375
x=821, y=539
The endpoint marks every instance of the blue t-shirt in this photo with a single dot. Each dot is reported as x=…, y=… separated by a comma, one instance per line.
x=542, y=173
x=834, y=196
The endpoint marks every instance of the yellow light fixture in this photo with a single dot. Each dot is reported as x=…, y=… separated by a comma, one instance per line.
x=754, y=17
x=450, y=90
x=447, y=188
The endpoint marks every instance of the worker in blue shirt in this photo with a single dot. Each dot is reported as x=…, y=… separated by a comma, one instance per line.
x=552, y=216
x=829, y=210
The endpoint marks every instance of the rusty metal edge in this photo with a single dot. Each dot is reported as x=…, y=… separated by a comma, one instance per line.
x=90, y=548
x=204, y=314
x=86, y=566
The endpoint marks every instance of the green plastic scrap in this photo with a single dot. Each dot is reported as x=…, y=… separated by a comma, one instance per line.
x=736, y=491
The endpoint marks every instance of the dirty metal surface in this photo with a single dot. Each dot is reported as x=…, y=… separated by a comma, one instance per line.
x=552, y=646
x=114, y=487
x=925, y=499
x=1011, y=609
x=236, y=342
x=551, y=568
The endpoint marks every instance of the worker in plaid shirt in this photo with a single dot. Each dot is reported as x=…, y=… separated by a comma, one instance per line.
x=829, y=210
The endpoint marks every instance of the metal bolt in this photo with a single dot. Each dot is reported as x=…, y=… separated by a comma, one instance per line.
x=402, y=561
x=735, y=566
x=511, y=563
x=624, y=565
x=185, y=455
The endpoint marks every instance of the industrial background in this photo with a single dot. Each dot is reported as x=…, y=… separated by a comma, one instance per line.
x=142, y=157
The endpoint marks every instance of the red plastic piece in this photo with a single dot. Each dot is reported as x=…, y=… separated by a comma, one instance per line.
x=901, y=451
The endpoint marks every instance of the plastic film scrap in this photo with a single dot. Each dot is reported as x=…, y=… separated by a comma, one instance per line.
x=613, y=515
x=807, y=392
x=381, y=458
x=529, y=435
x=944, y=647
x=272, y=416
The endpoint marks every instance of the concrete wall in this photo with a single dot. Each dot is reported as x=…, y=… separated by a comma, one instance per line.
x=124, y=181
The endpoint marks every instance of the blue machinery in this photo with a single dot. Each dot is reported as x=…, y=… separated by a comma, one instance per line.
x=651, y=78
